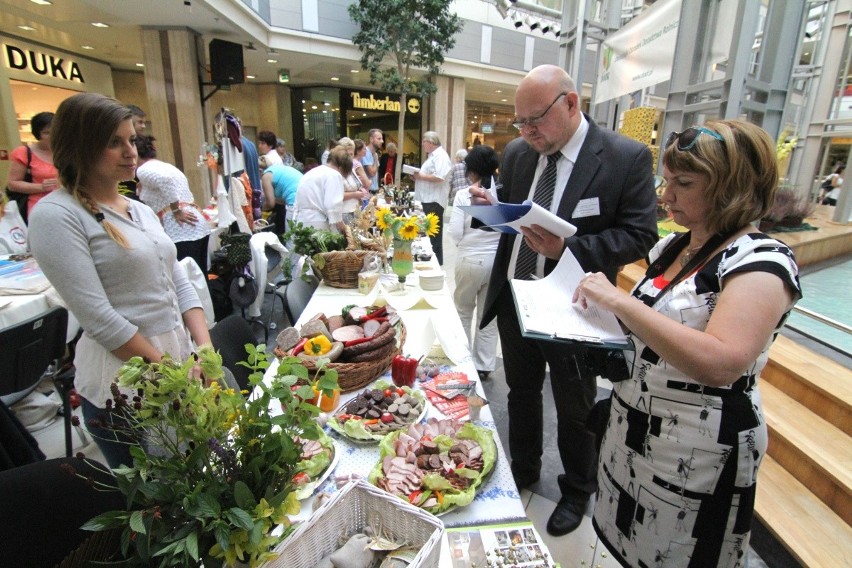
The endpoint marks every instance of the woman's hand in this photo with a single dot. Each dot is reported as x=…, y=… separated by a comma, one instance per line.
x=596, y=289
x=182, y=217
x=479, y=195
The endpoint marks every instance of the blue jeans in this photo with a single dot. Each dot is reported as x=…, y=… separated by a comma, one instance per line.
x=114, y=445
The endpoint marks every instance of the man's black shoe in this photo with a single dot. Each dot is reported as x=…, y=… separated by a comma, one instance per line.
x=566, y=517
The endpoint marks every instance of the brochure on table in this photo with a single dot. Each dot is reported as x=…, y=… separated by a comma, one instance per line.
x=517, y=544
x=546, y=310
x=510, y=217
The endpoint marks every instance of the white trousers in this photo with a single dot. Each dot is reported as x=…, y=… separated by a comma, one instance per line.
x=472, y=274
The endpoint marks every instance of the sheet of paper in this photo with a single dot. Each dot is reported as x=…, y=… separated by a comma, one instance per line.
x=406, y=169
x=545, y=306
x=510, y=217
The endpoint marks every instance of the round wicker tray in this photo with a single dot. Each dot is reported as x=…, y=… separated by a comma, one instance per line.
x=340, y=268
x=353, y=376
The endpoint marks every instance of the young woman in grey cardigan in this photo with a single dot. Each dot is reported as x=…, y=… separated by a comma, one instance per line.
x=109, y=258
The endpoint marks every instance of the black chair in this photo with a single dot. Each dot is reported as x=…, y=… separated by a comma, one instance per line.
x=296, y=296
x=31, y=350
x=229, y=338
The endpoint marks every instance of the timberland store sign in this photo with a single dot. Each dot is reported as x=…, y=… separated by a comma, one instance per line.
x=36, y=64
x=388, y=103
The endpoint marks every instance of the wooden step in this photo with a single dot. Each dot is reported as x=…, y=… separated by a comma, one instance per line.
x=819, y=383
x=815, y=452
x=812, y=532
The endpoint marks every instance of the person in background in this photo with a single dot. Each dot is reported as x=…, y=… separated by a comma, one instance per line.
x=387, y=165
x=355, y=185
x=38, y=158
x=371, y=158
x=832, y=186
x=332, y=142
x=310, y=163
x=139, y=116
x=459, y=179
x=475, y=257
x=128, y=188
x=110, y=259
x=266, y=143
x=432, y=186
x=287, y=158
x=686, y=432
x=319, y=199
x=602, y=183
x=165, y=189
x=280, y=184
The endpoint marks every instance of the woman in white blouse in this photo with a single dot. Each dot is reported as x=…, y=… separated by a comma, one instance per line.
x=165, y=189
x=319, y=199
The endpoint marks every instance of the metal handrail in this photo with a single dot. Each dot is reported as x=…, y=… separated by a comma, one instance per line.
x=824, y=320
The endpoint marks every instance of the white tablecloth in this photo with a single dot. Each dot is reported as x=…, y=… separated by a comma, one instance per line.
x=430, y=318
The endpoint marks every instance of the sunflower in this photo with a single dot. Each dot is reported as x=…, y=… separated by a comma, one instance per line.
x=382, y=216
x=410, y=230
x=430, y=226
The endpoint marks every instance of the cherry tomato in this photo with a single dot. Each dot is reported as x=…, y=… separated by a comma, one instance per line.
x=387, y=417
x=301, y=478
x=388, y=392
x=400, y=392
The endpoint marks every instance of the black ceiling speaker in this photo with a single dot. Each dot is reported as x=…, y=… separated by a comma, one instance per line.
x=226, y=63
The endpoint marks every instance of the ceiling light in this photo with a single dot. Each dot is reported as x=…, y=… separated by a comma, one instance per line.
x=545, y=28
x=26, y=28
x=533, y=24
x=272, y=61
x=504, y=100
x=325, y=103
x=519, y=23
x=335, y=78
x=313, y=107
x=87, y=47
x=140, y=65
x=498, y=91
x=354, y=70
x=42, y=2
x=100, y=25
x=250, y=77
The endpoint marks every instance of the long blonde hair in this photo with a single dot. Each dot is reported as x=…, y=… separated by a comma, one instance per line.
x=81, y=130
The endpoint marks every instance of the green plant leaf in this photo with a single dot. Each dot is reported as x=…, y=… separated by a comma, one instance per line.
x=137, y=522
x=243, y=496
x=192, y=545
x=239, y=518
x=105, y=521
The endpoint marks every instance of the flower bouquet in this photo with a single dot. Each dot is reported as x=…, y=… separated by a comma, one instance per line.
x=402, y=230
x=214, y=474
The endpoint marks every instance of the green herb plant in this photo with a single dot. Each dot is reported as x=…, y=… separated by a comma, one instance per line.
x=309, y=241
x=211, y=481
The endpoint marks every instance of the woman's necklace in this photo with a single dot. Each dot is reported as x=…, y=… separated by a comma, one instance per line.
x=690, y=252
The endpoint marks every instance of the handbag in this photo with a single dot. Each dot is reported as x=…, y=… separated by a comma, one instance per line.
x=22, y=198
x=237, y=249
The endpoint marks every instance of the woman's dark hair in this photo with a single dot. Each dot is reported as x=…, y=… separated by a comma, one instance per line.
x=145, y=147
x=482, y=160
x=268, y=138
x=39, y=122
x=82, y=128
x=839, y=169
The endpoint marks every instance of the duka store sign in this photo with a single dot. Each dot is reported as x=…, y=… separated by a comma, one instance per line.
x=42, y=63
x=34, y=63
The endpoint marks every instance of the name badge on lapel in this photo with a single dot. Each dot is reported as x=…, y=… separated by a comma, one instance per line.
x=587, y=208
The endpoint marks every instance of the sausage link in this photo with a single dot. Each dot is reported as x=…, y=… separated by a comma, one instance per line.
x=368, y=346
x=374, y=354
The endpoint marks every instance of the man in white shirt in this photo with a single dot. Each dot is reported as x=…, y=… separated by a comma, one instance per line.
x=432, y=186
x=267, y=143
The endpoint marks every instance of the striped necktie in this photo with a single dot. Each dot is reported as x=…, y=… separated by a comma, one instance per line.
x=527, y=259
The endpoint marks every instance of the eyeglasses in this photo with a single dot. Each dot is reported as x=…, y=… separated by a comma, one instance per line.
x=687, y=139
x=535, y=121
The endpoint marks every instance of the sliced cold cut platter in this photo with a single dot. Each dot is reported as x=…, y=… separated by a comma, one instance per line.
x=378, y=410
x=318, y=460
x=438, y=465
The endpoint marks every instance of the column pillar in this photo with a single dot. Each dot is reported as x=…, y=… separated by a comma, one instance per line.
x=174, y=102
x=447, y=112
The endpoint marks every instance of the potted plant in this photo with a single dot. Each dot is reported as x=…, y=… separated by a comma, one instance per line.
x=213, y=475
x=788, y=210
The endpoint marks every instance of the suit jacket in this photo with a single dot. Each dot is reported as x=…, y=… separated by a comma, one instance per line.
x=614, y=169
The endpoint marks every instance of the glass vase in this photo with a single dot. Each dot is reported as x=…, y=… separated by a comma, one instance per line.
x=402, y=263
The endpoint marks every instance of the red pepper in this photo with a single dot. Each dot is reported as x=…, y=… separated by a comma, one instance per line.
x=301, y=478
x=299, y=346
x=414, y=496
x=380, y=312
x=352, y=342
x=404, y=371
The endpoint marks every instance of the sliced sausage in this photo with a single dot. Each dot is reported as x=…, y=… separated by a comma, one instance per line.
x=379, y=340
x=347, y=332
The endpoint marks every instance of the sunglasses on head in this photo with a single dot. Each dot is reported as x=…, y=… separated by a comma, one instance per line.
x=687, y=139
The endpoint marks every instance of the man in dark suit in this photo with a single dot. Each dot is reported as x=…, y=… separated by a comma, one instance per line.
x=604, y=186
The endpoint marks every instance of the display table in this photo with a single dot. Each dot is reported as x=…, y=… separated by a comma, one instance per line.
x=432, y=326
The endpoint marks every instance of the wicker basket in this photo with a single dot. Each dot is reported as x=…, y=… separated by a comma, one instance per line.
x=353, y=376
x=349, y=511
x=340, y=268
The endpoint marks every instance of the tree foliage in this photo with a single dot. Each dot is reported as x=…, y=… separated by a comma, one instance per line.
x=397, y=37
